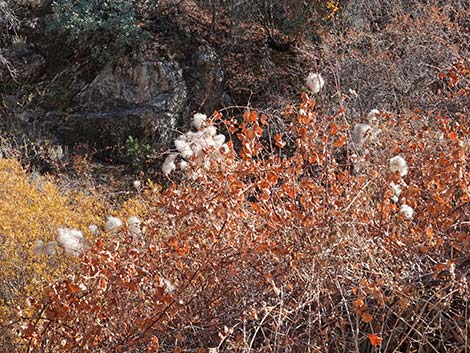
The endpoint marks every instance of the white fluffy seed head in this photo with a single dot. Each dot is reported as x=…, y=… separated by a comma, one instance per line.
x=197, y=148
x=372, y=116
x=407, y=211
x=133, y=224
x=71, y=240
x=207, y=164
x=396, y=188
x=398, y=164
x=38, y=247
x=137, y=184
x=169, y=164
x=183, y=165
x=112, y=224
x=93, y=229
x=169, y=287
x=168, y=167
x=211, y=130
x=397, y=192
x=314, y=82
x=219, y=140
x=180, y=145
x=361, y=134
x=184, y=148
x=198, y=120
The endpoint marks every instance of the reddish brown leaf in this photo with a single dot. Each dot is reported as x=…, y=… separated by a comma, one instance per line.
x=72, y=288
x=334, y=129
x=278, y=140
x=453, y=136
x=264, y=120
x=366, y=317
x=153, y=345
x=340, y=142
x=102, y=283
x=374, y=339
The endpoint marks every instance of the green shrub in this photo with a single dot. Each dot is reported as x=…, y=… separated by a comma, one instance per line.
x=105, y=29
x=137, y=151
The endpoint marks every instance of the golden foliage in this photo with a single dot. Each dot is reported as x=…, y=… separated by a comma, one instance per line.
x=32, y=209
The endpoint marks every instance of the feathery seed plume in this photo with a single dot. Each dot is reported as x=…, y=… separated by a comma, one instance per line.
x=398, y=164
x=198, y=120
x=133, y=224
x=169, y=164
x=71, y=240
x=361, y=133
x=314, y=82
x=112, y=224
x=406, y=211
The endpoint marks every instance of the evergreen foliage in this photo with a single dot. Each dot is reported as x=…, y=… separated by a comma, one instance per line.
x=105, y=28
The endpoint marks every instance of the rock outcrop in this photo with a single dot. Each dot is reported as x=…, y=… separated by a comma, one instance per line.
x=139, y=96
x=205, y=79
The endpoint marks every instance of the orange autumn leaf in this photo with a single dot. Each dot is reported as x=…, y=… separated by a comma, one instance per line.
x=247, y=151
x=453, y=136
x=359, y=304
x=258, y=130
x=73, y=288
x=366, y=317
x=278, y=140
x=374, y=339
x=264, y=120
x=153, y=345
x=340, y=142
x=334, y=129
x=250, y=117
x=103, y=283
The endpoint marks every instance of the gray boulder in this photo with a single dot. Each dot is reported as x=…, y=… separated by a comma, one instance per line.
x=139, y=97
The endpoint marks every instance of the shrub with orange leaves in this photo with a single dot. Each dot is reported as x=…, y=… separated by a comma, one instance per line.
x=266, y=251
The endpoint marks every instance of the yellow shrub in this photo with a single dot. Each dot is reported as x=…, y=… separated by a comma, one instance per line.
x=32, y=210
x=143, y=204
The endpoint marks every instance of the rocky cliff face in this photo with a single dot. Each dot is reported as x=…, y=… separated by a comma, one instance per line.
x=141, y=96
x=144, y=95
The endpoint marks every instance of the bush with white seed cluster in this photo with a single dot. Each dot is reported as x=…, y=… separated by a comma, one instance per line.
x=73, y=242
x=200, y=147
x=364, y=133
